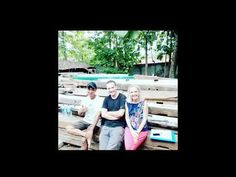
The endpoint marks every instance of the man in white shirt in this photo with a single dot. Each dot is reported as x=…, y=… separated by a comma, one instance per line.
x=91, y=108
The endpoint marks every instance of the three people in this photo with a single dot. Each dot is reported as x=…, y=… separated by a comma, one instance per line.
x=123, y=120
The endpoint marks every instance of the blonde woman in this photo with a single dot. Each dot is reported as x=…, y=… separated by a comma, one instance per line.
x=136, y=130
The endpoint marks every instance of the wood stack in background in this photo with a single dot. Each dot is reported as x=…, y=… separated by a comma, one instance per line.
x=161, y=94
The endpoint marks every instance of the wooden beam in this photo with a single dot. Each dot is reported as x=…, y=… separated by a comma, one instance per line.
x=79, y=94
x=148, y=145
x=64, y=121
x=163, y=109
x=160, y=144
x=69, y=147
x=154, y=108
x=69, y=99
x=60, y=143
x=163, y=121
x=73, y=139
x=161, y=85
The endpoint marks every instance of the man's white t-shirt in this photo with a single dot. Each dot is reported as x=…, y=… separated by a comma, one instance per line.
x=93, y=106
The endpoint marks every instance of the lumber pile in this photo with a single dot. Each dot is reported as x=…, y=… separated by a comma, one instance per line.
x=123, y=84
x=76, y=140
x=161, y=94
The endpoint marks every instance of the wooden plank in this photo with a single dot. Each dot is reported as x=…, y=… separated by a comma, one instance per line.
x=69, y=147
x=60, y=143
x=154, y=125
x=67, y=82
x=122, y=84
x=163, y=101
x=65, y=79
x=69, y=99
x=163, y=109
x=147, y=94
x=136, y=76
x=69, y=86
x=148, y=145
x=154, y=108
x=84, y=92
x=163, y=121
x=161, y=96
x=65, y=121
x=159, y=144
x=145, y=77
x=73, y=139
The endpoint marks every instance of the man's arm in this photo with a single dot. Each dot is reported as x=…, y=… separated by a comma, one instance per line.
x=117, y=114
x=105, y=114
x=81, y=110
x=120, y=113
x=97, y=117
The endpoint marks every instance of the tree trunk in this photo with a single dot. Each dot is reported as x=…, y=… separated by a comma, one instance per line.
x=146, y=64
x=174, y=61
x=64, y=44
x=116, y=63
x=176, y=56
x=170, y=57
x=176, y=73
x=165, y=66
x=171, y=74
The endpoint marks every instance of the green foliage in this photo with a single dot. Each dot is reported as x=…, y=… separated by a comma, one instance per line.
x=75, y=45
x=165, y=43
x=114, y=53
x=113, y=71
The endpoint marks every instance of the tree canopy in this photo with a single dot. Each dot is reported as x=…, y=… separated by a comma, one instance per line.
x=117, y=51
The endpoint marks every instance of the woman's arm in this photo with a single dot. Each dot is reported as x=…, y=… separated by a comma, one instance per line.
x=145, y=115
x=132, y=131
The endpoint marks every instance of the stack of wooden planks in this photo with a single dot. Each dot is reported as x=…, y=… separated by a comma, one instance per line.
x=162, y=97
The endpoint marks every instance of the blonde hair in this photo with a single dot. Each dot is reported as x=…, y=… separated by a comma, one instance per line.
x=128, y=94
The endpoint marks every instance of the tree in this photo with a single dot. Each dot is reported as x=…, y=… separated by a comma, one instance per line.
x=166, y=45
x=73, y=45
x=115, y=53
x=62, y=53
x=174, y=59
x=145, y=40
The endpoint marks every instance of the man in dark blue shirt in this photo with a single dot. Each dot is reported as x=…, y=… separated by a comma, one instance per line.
x=113, y=119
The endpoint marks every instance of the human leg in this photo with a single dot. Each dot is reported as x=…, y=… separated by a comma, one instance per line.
x=103, y=138
x=91, y=135
x=77, y=127
x=141, y=138
x=116, y=138
x=129, y=141
x=84, y=145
